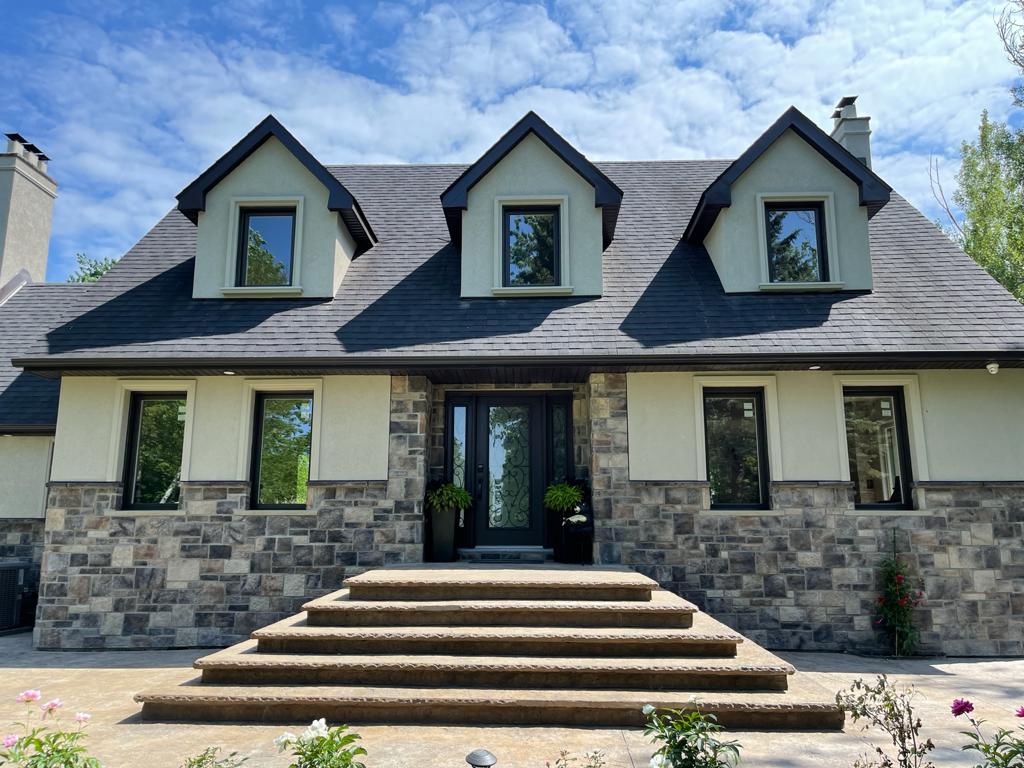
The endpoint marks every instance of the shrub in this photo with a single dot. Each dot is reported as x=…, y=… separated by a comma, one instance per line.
x=1005, y=750
x=46, y=746
x=208, y=759
x=894, y=609
x=595, y=759
x=688, y=739
x=449, y=497
x=323, y=747
x=563, y=498
x=890, y=708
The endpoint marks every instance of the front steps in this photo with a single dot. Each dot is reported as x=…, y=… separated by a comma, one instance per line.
x=525, y=645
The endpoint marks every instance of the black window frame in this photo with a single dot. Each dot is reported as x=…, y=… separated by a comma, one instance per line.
x=508, y=211
x=131, y=450
x=244, y=214
x=763, y=463
x=257, y=441
x=819, y=229
x=902, y=443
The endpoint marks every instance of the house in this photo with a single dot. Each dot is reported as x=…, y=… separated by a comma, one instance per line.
x=769, y=372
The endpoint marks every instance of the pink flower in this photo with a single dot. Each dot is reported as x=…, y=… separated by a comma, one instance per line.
x=29, y=695
x=961, y=707
x=10, y=740
x=82, y=717
x=1020, y=712
x=51, y=706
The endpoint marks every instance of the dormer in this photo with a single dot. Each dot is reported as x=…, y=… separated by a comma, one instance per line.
x=791, y=213
x=272, y=221
x=531, y=217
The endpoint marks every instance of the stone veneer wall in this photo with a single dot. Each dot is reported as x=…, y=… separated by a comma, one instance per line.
x=211, y=572
x=22, y=539
x=803, y=574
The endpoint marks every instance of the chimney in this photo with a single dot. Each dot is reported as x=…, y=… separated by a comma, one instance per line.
x=851, y=131
x=26, y=211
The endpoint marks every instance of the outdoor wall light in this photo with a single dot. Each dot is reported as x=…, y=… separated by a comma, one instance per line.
x=229, y=373
x=481, y=758
x=814, y=368
x=992, y=368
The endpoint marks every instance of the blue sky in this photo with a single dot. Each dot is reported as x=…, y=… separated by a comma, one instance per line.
x=133, y=100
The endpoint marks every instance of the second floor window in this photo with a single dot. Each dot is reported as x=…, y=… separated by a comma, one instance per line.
x=737, y=456
x=266, y=245
x=796, y=242
x=530, y=245
x=156, y=436
x=282, y=437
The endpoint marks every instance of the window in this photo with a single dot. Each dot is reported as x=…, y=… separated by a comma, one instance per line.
x=876, y=438
x=737, y=456
x=281, y=450
x=796, y=242
x=530, y=245
x=266, y=242
x=156, y=436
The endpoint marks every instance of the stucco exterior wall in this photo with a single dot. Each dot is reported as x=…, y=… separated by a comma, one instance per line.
x=971, y=424
x=351, y=437
x=528, y=171
x=24, y=470
x=789, y=167
x=26, y=215
x=324, y=247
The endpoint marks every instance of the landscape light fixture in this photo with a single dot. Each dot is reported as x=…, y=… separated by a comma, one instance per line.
x=992, y=368
x=481, y=758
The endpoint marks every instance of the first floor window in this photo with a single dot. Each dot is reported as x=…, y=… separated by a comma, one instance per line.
x=266, y=242
x=530, y=245
x=796, y=242
x=876, y=439
x=737, y=462
x=156, y=435
x=282, y=437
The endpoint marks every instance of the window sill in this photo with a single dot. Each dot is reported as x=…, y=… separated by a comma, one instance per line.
x=261, y=292
x=742, y=512
x=800, y=287
x=533, y=290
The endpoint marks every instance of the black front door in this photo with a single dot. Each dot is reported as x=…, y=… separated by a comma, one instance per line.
x=505, y=449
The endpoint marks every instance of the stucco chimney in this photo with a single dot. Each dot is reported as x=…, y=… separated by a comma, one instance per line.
x=26, y=211
x=851, y=131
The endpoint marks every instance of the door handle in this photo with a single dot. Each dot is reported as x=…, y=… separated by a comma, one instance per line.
x=479, y=481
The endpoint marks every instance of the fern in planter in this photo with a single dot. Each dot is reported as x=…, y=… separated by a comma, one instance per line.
x=449, y=498
x=567, y=500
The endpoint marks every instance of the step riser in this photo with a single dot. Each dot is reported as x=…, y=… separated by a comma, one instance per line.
x=497, y=647
x=301, y=713
x=477, y=678
x=491, y=592
x=532, y=618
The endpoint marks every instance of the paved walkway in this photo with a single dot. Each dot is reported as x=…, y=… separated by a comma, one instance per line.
x=103, y=683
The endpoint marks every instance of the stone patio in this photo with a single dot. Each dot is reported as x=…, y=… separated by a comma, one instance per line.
x=103, y=683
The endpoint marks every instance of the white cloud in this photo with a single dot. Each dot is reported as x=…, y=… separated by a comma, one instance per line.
x=132, y=107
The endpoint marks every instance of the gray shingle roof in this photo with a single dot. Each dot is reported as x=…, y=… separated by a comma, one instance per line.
x=400, y=300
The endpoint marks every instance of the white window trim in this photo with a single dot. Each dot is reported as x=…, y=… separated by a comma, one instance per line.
x=914, y=416
x=252, y=387
x=119, y=433
x=231, y=262
x=835, y=281
x=771, y=418
x=564, y=286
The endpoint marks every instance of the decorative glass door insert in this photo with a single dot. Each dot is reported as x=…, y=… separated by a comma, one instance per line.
x=508, y=465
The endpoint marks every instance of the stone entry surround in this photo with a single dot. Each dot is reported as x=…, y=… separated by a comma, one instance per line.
x=802, y=575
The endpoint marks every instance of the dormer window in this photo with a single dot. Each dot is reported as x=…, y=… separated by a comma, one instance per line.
x=531, y=246
x=796, y=242
x=266, y=247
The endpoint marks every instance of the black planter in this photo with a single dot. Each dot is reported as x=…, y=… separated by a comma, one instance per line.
x=442, y=536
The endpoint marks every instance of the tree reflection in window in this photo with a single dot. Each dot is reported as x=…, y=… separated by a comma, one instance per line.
x=155, y=450
x=873, y=427
x=732, y=424
x=508, y=452
x=796, y=248
x=282, y=461
x=266, y=256
x=531, y=246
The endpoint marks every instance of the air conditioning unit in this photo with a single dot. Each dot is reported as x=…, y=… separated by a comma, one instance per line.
x=13, y=581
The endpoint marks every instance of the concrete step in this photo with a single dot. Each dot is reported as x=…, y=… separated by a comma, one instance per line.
x=295, y=635
x=501, y=582
x=804, y=707
x=752, y=669
x=338, y=609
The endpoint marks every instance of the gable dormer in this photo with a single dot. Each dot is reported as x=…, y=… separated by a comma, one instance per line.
x=531, y=217
x=790, y=214
x=272, y=221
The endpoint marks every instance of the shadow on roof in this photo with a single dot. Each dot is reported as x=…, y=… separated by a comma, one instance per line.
x=29, y=401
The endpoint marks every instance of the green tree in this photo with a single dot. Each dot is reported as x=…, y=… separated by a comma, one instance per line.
x=532, y=249
x=794, y=258
x=261, y=268
x=986, y=217
x=89, y=270
x=284, y=456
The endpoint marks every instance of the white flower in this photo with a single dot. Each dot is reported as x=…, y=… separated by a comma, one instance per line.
x=284, y=741
x=648, y=709
x=317, y=729
x=694, y=699
x=657, y=761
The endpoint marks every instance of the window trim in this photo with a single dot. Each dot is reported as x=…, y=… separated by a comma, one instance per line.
x=131, y=448
x=563, y=286
x=902, y=443
x=240, y=206
x=827, y=234
x=241, y=253
x=763, y=458
x=257, y=437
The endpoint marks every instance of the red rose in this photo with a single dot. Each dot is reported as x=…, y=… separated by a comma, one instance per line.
x=899, y=578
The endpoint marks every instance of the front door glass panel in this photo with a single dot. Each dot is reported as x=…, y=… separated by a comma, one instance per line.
x=508, y=451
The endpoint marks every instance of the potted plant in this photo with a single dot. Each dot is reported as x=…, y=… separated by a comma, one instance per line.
x=577, y=523
x=444, y=502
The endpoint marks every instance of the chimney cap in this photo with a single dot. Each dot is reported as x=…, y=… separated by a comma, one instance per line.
x=846, y=101
x=16, y=137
